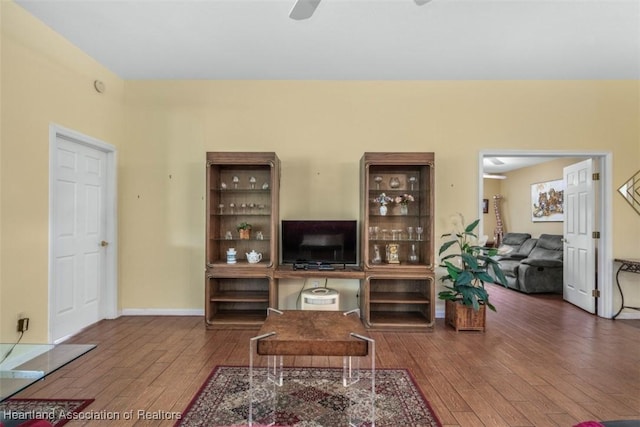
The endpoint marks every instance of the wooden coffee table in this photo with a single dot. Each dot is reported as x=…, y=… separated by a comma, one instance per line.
x=312, y=333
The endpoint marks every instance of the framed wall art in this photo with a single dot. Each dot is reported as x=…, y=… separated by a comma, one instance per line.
x=485, y=205
x=547, y=201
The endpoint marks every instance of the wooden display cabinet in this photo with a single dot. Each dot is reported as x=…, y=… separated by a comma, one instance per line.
x=397, y=245
x=241, y=188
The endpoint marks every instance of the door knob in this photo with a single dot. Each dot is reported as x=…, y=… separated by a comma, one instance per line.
x=104, y=243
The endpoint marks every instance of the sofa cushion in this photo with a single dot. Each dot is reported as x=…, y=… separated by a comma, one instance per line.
x=526, y=248
x=549, y=247
x=515, y=240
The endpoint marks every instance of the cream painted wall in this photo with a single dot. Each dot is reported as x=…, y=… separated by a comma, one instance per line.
x=44, y=80
x=319, y=129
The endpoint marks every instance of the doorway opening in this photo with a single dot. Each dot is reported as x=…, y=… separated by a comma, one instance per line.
x=604, y=245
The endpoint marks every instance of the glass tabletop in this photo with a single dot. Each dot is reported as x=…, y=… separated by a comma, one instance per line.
x=28, y=363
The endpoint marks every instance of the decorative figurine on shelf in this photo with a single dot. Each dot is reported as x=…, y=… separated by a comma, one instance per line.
x=265, y=186
x=377, y=257
x=223, y=186
x=394, y=182
x=235, y=180
x=393, y=256
x=382, y=200
x=228, y=235
x=252, y=182
x=259, y=235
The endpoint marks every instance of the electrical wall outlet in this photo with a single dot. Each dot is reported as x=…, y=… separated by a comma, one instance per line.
x=23, y=324
x=315, y=283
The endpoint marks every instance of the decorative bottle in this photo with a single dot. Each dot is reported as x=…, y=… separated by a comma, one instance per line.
x=413, y=256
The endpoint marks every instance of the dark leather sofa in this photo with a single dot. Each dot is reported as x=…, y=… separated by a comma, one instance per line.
x=533, y=265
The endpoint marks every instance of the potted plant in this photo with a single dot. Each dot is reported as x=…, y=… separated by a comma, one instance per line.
x=469, y=267
x=245, y=230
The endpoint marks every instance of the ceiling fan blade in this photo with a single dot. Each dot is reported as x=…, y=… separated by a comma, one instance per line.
x=303, y=9
x=421, y=2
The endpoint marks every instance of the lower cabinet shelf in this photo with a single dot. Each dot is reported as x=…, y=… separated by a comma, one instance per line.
x=399, y=302
x=238, y=302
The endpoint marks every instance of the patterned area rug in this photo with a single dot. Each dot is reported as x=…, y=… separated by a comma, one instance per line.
x=57, y=411
x=309, y=397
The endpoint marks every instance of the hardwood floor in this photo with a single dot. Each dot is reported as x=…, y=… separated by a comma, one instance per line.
x=541, y=362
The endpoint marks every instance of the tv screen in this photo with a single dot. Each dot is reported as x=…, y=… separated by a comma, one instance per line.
x=319, y=241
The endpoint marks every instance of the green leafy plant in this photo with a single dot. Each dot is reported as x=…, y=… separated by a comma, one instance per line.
x=469, y=267
x=243, y=226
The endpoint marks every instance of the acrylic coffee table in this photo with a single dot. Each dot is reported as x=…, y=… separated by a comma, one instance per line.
x=29, y=363
x=308, y=333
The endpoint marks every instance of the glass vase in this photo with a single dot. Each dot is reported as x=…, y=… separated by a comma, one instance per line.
x=404, y=209
x=383, y=210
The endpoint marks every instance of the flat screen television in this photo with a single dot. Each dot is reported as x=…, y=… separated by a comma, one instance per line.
x=319, y=242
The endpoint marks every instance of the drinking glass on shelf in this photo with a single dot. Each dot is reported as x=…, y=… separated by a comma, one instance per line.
x=395, y=234
x=419, y=231
x=232, y=207
x=410, y=233
x=412, y=181
x=378, y=180
x=243, y=208
x=252, y=206
x=384, y=234
x=221, y=207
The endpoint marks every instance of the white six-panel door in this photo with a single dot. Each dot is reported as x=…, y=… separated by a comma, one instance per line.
x=79, y=236
x=579, y=252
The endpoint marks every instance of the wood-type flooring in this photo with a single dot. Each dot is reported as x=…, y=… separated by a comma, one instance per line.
x=541, y=362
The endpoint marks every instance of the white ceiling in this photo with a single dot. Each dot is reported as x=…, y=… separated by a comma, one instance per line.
x=503, y=164
x=353, y=39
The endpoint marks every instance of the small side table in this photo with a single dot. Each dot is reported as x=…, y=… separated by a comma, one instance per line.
x=630, y=265
x=310, y=333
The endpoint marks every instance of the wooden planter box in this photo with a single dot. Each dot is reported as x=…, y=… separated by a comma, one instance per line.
x=465, y=318
x=245, y=233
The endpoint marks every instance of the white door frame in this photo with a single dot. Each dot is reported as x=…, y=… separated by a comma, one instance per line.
x=604, y=245
x=109, y=295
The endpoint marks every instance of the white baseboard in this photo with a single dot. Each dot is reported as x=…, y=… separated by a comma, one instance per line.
x=162, y=312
